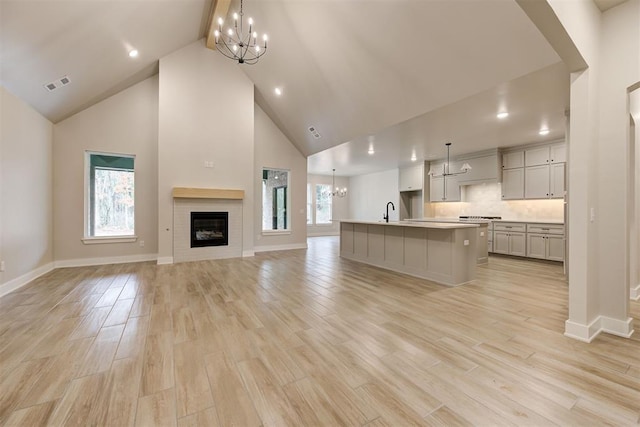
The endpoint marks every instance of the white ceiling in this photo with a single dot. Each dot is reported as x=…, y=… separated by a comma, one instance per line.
x=533, y=101
x=604, y=5
x=355, y=67
x=402, y=73
x=89, y=40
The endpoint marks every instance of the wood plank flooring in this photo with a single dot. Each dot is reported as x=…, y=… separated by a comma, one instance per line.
x=303, y=337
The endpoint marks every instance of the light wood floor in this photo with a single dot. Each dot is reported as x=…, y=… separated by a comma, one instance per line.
x=306, y=338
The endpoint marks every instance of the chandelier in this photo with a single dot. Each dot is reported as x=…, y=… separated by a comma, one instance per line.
x=337, y=191
x=466, y=167
x=235, y=44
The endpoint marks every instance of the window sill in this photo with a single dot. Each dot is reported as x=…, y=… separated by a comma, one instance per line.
x=275, y=232
x=108, y=239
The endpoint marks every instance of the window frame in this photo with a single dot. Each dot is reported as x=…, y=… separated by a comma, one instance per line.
x=310, y=205
x=288, y=229
x=87, y=238
x=315, y=207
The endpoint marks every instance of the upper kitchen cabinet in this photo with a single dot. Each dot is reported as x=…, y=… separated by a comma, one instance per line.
x=546, y=154
x=513, y=184
x=536, y=182
x=411, y=178
x=512, y=160
x=544, y=174
x=485, y=167
x=534, y=172
x=513, y=175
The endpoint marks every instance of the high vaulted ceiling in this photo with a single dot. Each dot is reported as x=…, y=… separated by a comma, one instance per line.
x=89, y=41
x=403, y=74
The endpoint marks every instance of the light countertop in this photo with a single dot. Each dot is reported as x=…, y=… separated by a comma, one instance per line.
x=555, y=222
x=451, y=220
x=429, y=224
x=485, y=221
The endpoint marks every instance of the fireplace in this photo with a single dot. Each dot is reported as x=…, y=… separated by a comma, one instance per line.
x=209, y=229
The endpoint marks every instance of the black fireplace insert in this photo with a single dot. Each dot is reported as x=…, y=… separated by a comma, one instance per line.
x=209, y=229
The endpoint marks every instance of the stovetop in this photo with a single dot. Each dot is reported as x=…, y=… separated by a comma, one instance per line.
x=470, y=217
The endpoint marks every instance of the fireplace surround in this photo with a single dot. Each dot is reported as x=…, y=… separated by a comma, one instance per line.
x=182, y=209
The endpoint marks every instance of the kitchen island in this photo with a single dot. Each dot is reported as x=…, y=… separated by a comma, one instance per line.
x=442, y=252
x=482, y=233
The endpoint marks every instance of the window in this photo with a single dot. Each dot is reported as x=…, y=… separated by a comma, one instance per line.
x=275, y=200
x=110, y=202
x=323, y=204
x=309, y=205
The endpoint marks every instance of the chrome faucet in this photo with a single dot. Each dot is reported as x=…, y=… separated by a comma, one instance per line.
x=386, y=217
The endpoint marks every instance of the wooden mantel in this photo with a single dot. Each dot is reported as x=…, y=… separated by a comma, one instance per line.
x=207, y=193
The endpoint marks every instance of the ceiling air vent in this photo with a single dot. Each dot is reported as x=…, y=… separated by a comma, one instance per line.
x=314, y=132
x=57, y=84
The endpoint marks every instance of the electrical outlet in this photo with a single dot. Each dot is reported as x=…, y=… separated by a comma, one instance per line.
x=466, y=243
x=1, y=265
x=142, y=243
x=208, y=164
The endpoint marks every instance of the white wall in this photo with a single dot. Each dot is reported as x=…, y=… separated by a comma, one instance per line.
x=598, y=170
x=25, y=192
x=620, y=68
x=340, y=205
x=486, y=199
x=634, y=194
x=206, y=113
x=369, y=195
x=125, y=123
x=273, y=150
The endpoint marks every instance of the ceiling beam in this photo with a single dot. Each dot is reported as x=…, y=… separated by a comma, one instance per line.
x=544, y=17
x=219, y=10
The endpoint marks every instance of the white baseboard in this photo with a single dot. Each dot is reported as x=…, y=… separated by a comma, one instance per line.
x=280, y=247
x=635, y=293
x=587, y=333
x=320, y=234
x=84, y=262
x=19, y=282
x=165, y=260
x=247, y=254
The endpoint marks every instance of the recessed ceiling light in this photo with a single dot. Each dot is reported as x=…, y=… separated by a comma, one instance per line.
x=133, y=53
x=413, y=157
x=502, y=115
x=544, y=131
x=371, y=151
x=278, y=91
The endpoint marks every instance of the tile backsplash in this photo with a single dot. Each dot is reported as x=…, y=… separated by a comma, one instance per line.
x=485, y=199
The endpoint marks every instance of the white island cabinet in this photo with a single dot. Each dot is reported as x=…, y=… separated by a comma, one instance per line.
x=442, y=252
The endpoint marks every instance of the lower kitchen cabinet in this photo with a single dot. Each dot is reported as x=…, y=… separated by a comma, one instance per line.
x=533, y=240
x=555, y=247
x=545, y=241
x=509, y=243
x=544, y=246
